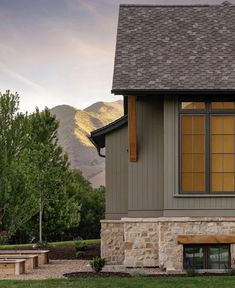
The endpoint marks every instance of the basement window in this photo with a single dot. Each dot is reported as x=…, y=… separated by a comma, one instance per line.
x=213, y=256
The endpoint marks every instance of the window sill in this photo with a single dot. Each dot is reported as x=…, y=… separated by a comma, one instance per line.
x=204, y=195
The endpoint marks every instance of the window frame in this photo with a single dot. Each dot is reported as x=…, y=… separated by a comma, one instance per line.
x=207, y=112
x=206, y=254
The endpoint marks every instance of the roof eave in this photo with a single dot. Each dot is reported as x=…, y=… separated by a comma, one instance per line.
x=127, y=92
x=97, y=137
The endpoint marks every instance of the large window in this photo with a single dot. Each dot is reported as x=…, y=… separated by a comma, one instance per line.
x=207, y=141
x=211, y=256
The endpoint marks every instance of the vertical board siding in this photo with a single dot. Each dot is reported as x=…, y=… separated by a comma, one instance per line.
x=116, y=174
x=146, y=175
x=173, y=206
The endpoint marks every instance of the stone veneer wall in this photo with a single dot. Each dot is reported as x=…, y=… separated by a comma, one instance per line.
x=112, y=241
x=150, y=242
x=141, y=244
x=171, y=253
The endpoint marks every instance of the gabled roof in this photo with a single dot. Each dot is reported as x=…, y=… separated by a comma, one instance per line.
x=163, y=48
x=97, y=137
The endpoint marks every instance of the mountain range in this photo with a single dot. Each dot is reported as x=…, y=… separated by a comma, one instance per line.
x=75, y=125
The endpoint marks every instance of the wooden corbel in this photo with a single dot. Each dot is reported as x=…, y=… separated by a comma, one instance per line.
x=132, y=128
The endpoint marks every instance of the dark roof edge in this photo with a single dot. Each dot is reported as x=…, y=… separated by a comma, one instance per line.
x=97, y=137
x=127, y=92
x=180, y=5
x=110, y=127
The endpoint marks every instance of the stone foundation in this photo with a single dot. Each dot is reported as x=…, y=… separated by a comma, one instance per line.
x=112, y=241
x=151, y=242
x=141, y=244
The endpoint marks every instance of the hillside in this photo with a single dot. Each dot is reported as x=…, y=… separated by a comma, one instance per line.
x=74, y=127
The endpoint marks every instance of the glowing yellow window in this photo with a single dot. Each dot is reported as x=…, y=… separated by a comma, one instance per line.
x=193, y=105
x=193, y=153
x=222, y=105
x=207, y=147
x=222, y=153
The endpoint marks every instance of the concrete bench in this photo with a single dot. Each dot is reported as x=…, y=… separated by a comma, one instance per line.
x=31, y=261
x=43, y=255
x=12, y=267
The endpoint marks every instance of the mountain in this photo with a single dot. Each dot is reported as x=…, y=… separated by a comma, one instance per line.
x=74, y=127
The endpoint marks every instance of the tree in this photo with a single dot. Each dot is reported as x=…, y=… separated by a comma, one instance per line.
x=36, y=185
x=92, y=207
x=56, y=190
x=17, y=192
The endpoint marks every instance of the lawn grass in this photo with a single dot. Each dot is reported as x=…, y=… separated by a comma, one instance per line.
x=51, y=244
x=135, y=282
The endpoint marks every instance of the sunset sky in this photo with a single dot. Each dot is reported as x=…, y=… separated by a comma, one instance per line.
x=55, y=52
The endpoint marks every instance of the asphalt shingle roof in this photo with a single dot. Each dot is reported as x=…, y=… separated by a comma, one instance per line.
x=175, y=48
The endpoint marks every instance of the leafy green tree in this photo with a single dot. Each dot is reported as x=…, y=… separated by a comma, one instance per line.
x=17, y=192
x=36, y=185
x=56, y=188
x=92, y=207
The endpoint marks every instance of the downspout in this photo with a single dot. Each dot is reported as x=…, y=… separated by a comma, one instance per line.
x=98, y=150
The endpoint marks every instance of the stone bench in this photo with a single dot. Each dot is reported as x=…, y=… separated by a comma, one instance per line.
x=43, y=255
x=31, y=261
x=12, y=267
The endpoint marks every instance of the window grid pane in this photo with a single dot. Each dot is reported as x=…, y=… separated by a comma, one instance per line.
x=193, y=153
x=222, y=105
x=222, y=153
x=192, y=105
x=221, y=165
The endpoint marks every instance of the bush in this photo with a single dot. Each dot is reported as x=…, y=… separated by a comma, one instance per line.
x=191, y=272
x=80, y=254
x=41, y=245
x=97, y=264
x=81, y=246
x=87, y=249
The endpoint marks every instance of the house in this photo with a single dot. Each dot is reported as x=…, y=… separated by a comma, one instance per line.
x=170, y=160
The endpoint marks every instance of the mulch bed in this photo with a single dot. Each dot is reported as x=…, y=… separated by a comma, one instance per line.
x=127, y=275
x=62, y=252
x=97, y=275
x=69, y=252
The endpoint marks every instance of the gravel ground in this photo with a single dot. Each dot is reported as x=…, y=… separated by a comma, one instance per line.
x=55, y=269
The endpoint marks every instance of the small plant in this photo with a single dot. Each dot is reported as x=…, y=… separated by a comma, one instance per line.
x=81, y=249
x=87, y=249
x=191, y=272
x=41, y=245
x=80, y=254
x=97, y=264
x=231, y=271
x=81, y=246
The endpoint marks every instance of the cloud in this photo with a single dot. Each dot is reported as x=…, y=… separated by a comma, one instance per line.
x=31, y=93
x=16, y=76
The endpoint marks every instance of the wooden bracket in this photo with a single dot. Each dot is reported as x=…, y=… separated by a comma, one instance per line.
x=132, y=128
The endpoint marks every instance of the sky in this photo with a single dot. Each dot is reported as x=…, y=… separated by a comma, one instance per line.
x=55, y=52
